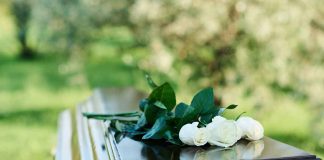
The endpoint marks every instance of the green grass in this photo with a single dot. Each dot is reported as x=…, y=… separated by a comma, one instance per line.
x=33, y=93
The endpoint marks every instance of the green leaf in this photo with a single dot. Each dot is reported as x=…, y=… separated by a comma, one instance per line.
x=185, y=114
x=152, y=113
x=124, y=126
x=165, y=94
x=143, y=104
x=180, y=110
x=232, y=106
x=111, y=116
x=239, y=116
x=118, y=126
x=172, y=137
x=150, y=81
x=168, y=134
x=119, y=136
x=141, y=122
x=183, y=109
x=222, y=110
x=201, y=124
x=157, y=130
x=175, y=142
x=170, y=115
x=160, y=105
x=207, y=118
x=203, y=101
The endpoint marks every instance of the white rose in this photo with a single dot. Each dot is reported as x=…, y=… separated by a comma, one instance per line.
x=217, y=119
x=251, y=129
x=223, y=133
x=201, y=136
x=190, y=134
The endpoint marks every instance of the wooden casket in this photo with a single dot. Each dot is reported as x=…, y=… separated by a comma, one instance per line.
x=80, y=138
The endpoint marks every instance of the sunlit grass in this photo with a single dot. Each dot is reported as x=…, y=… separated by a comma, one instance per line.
x=21, y=141
x=33, y=93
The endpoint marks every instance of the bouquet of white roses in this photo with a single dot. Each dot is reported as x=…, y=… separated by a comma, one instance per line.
x=197, y=123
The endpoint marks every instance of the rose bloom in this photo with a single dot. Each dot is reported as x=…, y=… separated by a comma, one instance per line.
x=251, y=129
x=223, y=133
x=190, y=134
x=217, y=119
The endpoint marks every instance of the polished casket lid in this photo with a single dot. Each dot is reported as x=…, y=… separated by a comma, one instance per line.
x=92, y=139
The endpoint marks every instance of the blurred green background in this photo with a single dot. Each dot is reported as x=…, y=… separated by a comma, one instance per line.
x=266, y=56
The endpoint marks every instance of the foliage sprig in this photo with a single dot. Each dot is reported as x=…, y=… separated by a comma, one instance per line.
x=160, y=118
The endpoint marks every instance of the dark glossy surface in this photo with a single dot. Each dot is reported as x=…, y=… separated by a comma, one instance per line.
x=266, y=148
x=125, y=100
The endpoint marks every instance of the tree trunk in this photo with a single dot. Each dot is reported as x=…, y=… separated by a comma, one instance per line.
x=25, y=51
x=21, y=9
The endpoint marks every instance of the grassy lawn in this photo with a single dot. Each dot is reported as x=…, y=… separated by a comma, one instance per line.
x=33, y=93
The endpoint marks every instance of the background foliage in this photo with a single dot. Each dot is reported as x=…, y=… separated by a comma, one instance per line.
x=266, y=56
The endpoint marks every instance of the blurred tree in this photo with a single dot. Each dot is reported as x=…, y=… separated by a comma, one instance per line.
x=70, y=26
x=21, y=10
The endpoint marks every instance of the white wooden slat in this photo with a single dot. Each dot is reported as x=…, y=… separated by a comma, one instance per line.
x=64, y=149
x=110, y=101
x=97, y=101
x=110, y=141
x=84, y=140
x=97, y=133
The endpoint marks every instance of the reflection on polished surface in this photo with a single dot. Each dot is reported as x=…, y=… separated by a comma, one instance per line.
x=266, y=148
x=130, y=149
x=210, y=153
x=241, y=150
x=251, y=150
x=121, y=100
